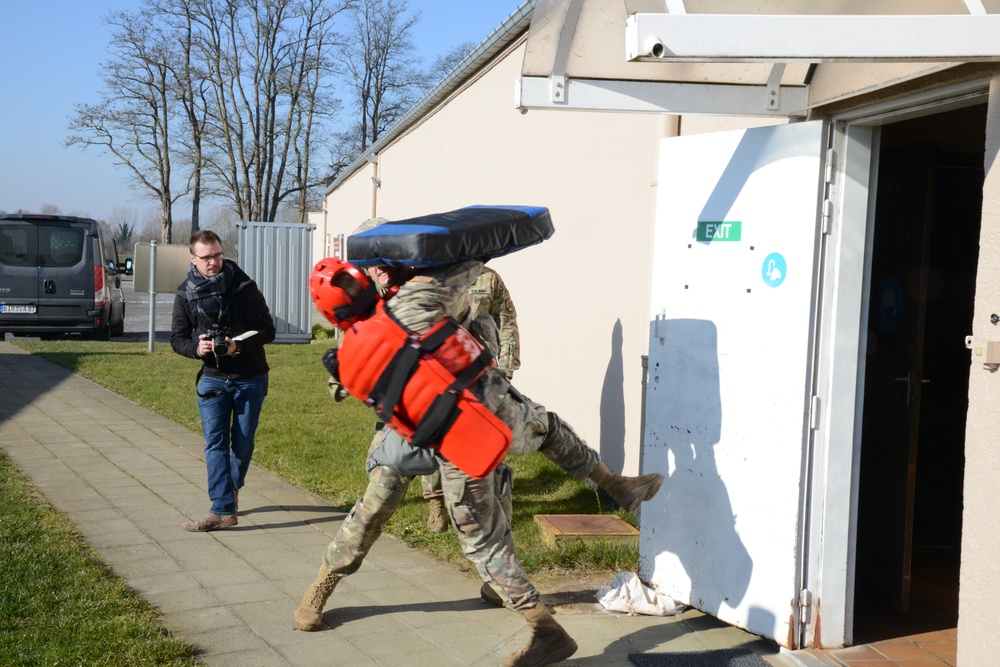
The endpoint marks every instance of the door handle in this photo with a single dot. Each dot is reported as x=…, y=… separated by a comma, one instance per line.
x=49, y=286
x=909, y=379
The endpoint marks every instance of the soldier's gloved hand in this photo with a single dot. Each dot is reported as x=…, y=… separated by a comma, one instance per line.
x=337, y=390
x=330, y=362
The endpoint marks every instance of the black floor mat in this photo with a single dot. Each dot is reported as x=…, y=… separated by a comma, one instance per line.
x=730, y=657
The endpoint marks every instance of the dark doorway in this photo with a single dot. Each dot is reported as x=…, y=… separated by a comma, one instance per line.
x=928, y=207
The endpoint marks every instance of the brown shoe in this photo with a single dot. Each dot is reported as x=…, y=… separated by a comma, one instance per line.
x=308, y=617
x=210, y=522
x=628, y=492
x=437, y=517
x=549, y=642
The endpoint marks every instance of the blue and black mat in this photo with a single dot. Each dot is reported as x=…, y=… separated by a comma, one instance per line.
x=473, y=232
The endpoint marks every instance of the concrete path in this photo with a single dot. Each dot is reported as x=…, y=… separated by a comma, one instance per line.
x=127, y=478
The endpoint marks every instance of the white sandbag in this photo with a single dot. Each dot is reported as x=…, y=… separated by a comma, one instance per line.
x=629, y=595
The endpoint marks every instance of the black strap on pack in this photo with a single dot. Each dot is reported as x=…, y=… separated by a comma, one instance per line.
x=394, y=378
x=441, y=414
x=389, y=387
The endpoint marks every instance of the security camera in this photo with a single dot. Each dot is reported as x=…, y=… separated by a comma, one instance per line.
x=654, y=47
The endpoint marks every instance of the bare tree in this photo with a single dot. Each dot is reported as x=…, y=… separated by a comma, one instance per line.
x=446, y=62
x=190, y=88
x=382, y=69
x=235, y=93
x=223, y=221
x=134, y=117
x=268, y=64
x=123, y=224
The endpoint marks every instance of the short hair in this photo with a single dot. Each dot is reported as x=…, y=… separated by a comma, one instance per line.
x=206, y=236
x=371, y=223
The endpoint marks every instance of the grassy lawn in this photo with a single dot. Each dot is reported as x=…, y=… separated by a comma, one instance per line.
x=60, y=604
x=311, y=441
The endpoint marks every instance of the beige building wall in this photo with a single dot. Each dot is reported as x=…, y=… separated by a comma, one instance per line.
x=582, y=297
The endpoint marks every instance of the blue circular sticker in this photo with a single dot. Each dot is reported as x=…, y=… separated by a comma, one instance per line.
x=774, y=269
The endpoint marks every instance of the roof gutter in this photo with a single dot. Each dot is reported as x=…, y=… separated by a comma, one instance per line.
x=496, y=42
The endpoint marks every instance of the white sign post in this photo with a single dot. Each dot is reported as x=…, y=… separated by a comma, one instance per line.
x=168, y=268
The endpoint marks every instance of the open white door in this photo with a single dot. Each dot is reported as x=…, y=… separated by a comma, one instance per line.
x=729, y=397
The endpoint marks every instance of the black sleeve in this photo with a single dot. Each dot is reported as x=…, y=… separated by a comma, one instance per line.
x=181, y=328
x=258, y=318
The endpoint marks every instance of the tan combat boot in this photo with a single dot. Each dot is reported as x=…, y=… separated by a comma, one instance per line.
x=549, y=643
x=437, y=518
x=629, y=492
x=309, y=614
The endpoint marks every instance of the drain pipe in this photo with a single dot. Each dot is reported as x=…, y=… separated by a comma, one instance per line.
x=376, y=184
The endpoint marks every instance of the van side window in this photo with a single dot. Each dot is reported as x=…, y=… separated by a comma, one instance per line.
x=60, y=246
x=110, y=253
x=15, y=247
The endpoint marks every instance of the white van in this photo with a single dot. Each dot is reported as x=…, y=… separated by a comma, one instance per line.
x=59, y=275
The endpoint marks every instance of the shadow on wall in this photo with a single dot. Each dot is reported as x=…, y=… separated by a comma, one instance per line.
x=691, y=519
x=612, y=443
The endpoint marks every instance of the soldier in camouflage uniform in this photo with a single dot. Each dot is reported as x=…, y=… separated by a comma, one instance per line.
x=488, y=296
x=482, y=527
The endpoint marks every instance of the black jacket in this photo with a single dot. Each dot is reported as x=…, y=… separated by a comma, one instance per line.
x=247, y=311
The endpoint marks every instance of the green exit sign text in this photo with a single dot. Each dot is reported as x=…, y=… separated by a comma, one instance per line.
x=719, y=231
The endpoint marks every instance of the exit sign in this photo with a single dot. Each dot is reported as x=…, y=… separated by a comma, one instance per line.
x=719, y=231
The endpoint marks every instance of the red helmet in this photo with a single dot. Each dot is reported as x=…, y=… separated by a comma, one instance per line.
x=342, y=292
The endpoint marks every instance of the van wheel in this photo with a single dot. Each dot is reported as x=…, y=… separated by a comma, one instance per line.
x=119, y=328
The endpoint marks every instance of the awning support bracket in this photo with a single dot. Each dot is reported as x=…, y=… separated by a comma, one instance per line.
x=772, y=98
x=558, y=77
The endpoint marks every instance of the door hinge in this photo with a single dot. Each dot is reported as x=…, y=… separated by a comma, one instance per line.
x=828, y=173
x=826, y=214
x=805, y=600
x=814, y=406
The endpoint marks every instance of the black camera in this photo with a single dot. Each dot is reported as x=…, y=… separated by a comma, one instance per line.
x=218, y=334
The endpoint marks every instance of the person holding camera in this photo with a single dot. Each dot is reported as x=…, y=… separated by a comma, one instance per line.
x=221, y=317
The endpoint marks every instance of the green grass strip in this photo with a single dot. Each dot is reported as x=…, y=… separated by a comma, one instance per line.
x=60, y=605
x=315, y=443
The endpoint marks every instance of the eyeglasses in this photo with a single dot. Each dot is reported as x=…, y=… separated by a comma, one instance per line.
x=208, y=259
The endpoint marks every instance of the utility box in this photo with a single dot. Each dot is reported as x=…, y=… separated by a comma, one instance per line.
x=278, y=256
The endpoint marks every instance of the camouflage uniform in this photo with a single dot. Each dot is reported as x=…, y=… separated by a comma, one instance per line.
x=478, y=517
x=488, y=296
x=363, y=525
x=425, y=300
x=475, y=510
x=387, y=488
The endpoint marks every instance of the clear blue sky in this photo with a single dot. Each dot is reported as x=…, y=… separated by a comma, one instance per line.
x=53, y=50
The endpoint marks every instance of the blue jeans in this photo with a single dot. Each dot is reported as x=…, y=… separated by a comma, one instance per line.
x=229, y=416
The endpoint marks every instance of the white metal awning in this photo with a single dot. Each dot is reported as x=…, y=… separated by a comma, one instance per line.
x=732, y=58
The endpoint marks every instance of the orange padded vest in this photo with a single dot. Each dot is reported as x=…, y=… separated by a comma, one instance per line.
x=418, y=385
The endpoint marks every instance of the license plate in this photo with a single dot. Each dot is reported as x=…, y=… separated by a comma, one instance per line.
x=28, y=310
